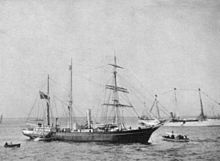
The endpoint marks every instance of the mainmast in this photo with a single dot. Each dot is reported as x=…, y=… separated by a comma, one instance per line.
x=48, y=100
x=116, y=97
x=70, y=107
x=116, y=104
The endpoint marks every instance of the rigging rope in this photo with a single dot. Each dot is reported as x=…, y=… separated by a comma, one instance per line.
x=164, y=109
x=133, y=73
x=210, y=98
x=55, y=82
x=134, y=89
x=32, y=108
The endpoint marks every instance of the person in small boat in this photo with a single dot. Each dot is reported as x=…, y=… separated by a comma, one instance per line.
x=8, y=143
x=172, y=136
x=178, y=136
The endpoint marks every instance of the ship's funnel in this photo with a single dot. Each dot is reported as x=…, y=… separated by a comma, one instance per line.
x=172, y=115
x=88, y=115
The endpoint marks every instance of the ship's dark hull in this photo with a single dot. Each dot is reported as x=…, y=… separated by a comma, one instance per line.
x=129, y=136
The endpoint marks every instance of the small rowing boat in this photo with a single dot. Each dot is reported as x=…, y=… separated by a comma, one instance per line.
x=175, y=137
x=12, y=145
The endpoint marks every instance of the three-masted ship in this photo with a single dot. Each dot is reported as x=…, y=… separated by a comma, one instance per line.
x=113, y=132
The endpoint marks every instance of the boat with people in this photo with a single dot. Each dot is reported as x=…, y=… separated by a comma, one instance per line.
x=113, y=128
x=172, y=137
x=10, y=145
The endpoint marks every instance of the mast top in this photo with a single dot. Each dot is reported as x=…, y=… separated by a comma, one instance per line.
x=115, y=64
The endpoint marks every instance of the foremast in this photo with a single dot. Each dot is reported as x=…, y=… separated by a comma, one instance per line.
x=116, y=103
x=46, y=96
x=70, y=106
x=48, y=100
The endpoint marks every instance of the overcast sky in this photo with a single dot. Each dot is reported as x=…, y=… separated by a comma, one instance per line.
x=162, y=44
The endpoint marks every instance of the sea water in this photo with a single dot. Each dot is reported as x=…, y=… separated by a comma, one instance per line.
x=204, y=145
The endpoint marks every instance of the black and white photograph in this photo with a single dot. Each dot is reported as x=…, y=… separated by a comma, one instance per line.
x=109, y=80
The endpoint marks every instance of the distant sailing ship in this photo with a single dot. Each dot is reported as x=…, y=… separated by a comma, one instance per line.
x=113, y=129
x=201, y=120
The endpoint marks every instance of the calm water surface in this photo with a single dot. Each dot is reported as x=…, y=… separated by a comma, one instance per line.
x=204, y=145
